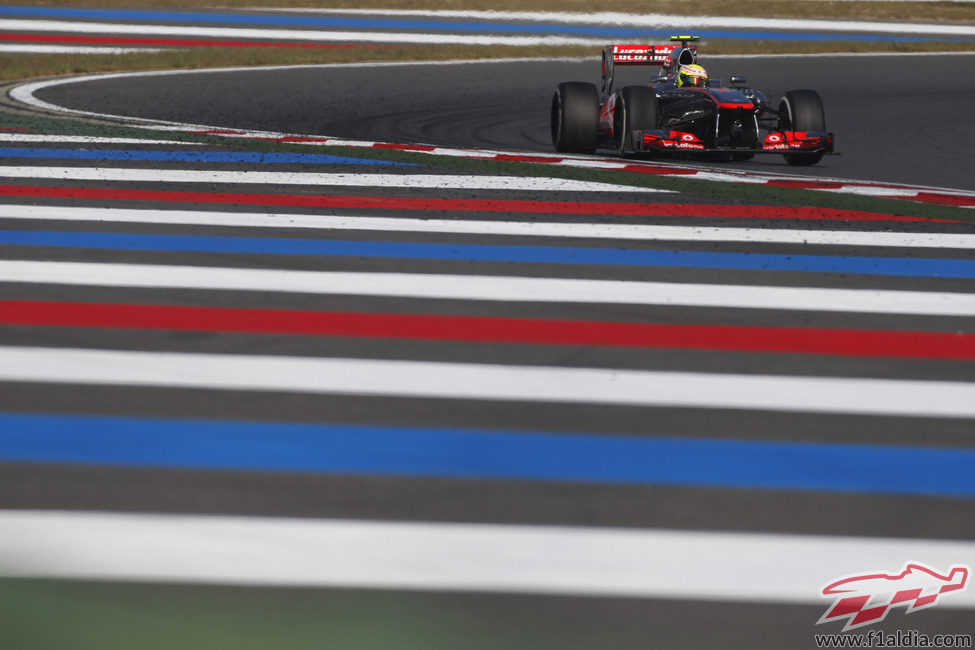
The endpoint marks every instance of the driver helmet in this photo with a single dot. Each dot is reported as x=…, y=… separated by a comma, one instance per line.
x=692, y=76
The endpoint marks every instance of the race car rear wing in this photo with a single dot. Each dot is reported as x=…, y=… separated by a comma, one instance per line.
x=640, y=54
x=662, y=55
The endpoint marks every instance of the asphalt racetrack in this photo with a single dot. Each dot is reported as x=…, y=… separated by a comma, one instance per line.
x=900, y=119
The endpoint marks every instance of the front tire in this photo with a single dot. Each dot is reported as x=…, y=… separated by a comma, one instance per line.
x=635, y=110
x=802, y=110
x=575, y=117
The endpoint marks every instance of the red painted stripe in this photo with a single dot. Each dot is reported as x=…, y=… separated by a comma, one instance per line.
x=176, y=42
x=507, y=157
x=803, y=184
x=467, y=205
x=924, y=197
x=403, y=147
x=669, y=171
x=298, y=138
x=844, y=342
x=945, y=199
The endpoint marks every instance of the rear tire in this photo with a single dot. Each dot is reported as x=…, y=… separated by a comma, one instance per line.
x=802, y=110
x=635, y=110
x=575, y=117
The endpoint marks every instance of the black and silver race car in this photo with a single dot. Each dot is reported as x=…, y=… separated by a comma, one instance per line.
x=672, y=115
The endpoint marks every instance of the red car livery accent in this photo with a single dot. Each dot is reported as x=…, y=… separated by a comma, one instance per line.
x=797, y=140
x=720, y=96
x=641, y=54
x=672, y=140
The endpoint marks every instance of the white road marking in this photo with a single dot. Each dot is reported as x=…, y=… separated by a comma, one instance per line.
x=672, y=23
x=439, y=380
x=637, y=232
x=495, y=288
x=69, y=49
x=895, y=192
x=405, y=181
x=29, y=26
x=33, y=138
x=466, y=557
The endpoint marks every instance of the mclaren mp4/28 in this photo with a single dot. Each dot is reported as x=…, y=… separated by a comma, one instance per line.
x=683, y=111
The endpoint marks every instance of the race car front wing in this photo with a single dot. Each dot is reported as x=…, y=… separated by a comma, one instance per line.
x=778, y=142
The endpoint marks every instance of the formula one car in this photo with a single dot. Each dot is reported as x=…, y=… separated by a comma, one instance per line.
x=679, y=113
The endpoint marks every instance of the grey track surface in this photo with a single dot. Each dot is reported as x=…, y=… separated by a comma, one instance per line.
x=903, y=119
x=505, y=105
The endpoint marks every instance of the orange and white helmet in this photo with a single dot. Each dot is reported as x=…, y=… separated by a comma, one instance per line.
x=692, y=76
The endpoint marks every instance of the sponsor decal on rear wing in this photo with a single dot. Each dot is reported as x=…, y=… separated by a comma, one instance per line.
x=642, y=54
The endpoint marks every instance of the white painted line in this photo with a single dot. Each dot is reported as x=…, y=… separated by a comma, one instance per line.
x=404, y=181
x=567, y=230
x=564, y=560
x=670, y=23
x=68, y=49
x=33, y=138
x=866, y=190
x=661, y=22
x=290, y=34
x=494, y=288
x=438, y=380
x=893, y=192
x=731, y=177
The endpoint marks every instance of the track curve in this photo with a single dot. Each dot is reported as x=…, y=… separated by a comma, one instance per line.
x=899, y=119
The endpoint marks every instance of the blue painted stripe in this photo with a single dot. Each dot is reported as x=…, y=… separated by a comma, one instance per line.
x=485, y=454
x=279, y=20
x=891, y=266
x=255, y=157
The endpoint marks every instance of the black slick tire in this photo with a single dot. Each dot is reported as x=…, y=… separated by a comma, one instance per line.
x=575, y=117
x=635, y=110
x=802, y=110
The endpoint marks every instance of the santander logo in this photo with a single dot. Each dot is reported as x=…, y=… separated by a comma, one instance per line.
x=864, y=599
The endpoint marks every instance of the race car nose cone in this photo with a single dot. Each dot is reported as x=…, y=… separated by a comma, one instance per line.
x=737, y=129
